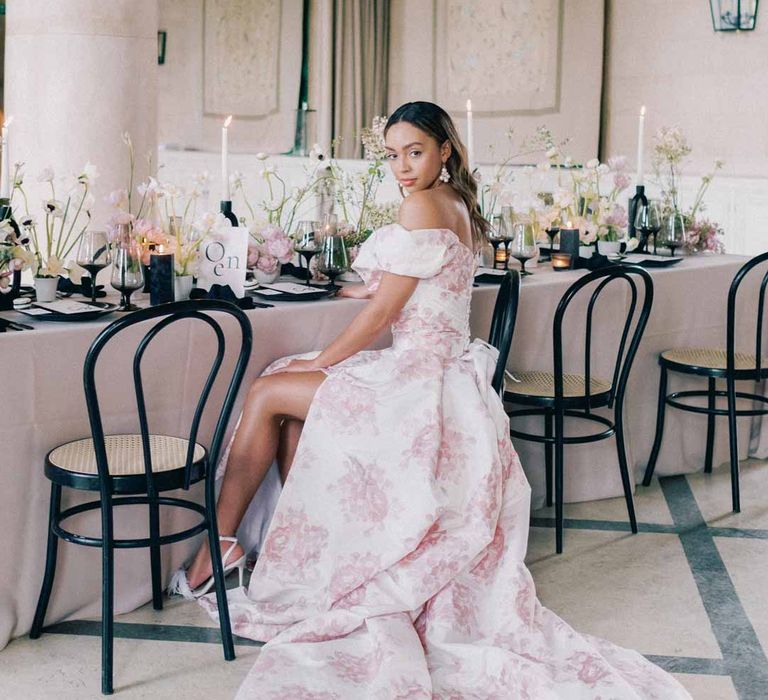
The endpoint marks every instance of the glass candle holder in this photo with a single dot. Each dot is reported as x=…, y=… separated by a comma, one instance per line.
x=561, y=261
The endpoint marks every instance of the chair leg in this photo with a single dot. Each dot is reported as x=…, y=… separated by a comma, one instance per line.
x=710, y=426
x=154, y=554
x=559, y=481
x=660, y=411
x=734, y=445
x=107, y=594
x=626, y=482
x=548, y=455
x=218, y=571
x=50, y=564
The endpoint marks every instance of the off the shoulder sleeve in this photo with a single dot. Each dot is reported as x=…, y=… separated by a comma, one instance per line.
x=422, y=253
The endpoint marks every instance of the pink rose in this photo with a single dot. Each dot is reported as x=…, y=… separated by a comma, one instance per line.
x=266, y=263
x=280, y=247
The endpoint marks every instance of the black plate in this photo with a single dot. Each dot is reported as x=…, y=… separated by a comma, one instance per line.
x=661, y=262
x=102, y=308
x=321, y=293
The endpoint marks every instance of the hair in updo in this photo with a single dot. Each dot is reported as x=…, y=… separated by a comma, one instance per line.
x=437, y=123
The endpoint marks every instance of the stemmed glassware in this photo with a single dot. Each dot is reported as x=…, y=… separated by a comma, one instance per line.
x=332, y=260
x=307, y=244
x=673, y=234
x=523, y=246
x=127, y=270
x=496, y=238
x=648, y=222
x=94, y=255
x=507, y=230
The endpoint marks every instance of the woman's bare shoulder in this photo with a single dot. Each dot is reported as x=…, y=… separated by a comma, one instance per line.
x=425, y=209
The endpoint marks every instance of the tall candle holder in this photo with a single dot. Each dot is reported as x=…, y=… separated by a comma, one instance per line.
x=225, y=207
x=638, y=200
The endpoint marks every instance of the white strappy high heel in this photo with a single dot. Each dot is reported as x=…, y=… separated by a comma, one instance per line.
x=180, y=586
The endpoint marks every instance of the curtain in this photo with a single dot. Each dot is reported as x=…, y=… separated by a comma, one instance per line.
x=360, y=70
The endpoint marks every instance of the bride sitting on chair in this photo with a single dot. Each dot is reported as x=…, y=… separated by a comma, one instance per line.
x=393, y=565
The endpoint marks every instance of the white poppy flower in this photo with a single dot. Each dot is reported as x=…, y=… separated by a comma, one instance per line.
x=46, y=175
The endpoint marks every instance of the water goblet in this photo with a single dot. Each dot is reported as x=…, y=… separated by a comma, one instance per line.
x=673, y=234
x=648, y=222
x=523, y=246
x=332, y=260
x=306, y=243
x=127, y=270
x=94, y=255
x=496, y=239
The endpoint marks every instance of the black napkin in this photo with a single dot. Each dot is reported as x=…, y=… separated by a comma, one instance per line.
x=290, y=269
x=596, y=262
x=223, y=292
x=68, y=287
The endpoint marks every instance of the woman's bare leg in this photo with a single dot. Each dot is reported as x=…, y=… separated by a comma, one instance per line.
x=290, y=432
x=270, y=401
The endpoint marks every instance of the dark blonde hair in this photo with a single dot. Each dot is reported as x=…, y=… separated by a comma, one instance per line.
x=437, y=123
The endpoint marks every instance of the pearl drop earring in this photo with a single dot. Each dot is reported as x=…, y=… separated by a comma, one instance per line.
x=444, y=174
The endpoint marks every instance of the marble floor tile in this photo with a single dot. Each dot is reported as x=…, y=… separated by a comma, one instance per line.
x=708, y=687
x=635, y=590
x=713, y=495
x=747, y=564
x=650, y=507
x=67, y=667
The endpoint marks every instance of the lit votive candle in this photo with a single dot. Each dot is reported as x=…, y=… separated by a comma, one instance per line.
x=561, y=261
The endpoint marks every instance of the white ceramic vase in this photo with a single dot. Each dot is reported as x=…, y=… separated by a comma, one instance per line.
x=45, y=288
x=609, y=247
x=586, y=251
x=182, y=286
x=265, y=277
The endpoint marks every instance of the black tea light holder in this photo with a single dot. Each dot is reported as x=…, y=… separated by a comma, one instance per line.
x=569, y=243
x=161, y=284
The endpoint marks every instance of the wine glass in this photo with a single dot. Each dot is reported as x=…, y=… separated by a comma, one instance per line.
x=648, y=222
x=496, y=239
x=127, y=270
x=523, y=246
x=332, y=259
x=306, y=242
x=94, y=255
x=673, y=235
x=507, y=229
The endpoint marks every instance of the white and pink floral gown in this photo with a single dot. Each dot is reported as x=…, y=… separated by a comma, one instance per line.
x=393, y=565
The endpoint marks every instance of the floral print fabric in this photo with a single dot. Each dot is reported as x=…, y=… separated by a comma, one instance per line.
x=393, y=565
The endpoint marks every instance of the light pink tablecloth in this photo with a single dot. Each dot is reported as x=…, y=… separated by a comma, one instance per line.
x=44, y=407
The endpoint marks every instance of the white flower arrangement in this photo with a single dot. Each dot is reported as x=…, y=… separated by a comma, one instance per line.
x=64, y=221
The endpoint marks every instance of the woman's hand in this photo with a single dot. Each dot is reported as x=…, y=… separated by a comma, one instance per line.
x=355, y=291
x=300, y=366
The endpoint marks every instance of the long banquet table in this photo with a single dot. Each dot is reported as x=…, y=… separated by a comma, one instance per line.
x=44, y=407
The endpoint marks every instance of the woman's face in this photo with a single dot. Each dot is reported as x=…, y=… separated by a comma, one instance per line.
x=414, y=156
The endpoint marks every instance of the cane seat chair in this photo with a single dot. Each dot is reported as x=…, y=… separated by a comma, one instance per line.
x=556, y=395
x=718, y=363
x=136, y=469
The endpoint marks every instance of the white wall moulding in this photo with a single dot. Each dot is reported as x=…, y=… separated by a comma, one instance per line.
x=241, y=56
x=523, y=64
x=508, y=61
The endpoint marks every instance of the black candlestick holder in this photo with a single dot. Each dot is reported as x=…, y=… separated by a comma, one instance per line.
x=225, y=206
x=634, y=202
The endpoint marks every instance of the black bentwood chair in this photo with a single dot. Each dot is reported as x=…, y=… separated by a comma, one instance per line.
x=716, y=363
x=135, y=469
x=503, y=325
x=557, y=395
